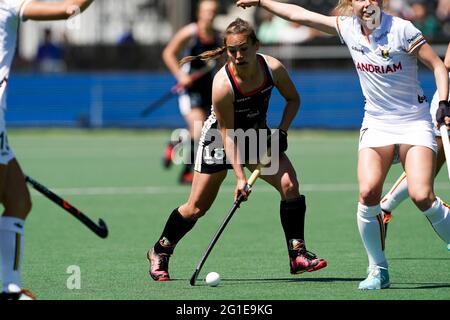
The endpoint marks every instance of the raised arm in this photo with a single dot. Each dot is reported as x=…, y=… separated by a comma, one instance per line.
x=294, y=13
x=287, y=89
x=61, y=10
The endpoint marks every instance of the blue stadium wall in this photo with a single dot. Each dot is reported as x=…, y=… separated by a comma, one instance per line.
x=331, y=99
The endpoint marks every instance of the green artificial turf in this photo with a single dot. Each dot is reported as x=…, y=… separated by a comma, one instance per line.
x=117, y=175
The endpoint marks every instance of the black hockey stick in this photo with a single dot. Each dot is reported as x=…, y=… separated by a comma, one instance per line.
x=159, y=102
x=101, y=229
x=446, y=145
x=216, y=236
x=176, y=89
x=385, y=229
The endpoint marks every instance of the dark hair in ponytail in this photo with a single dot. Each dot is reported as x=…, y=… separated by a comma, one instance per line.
x=238, y=26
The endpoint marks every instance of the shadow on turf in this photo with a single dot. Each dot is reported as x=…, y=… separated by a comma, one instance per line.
x=394, y=285
x=277, y=280
x=419, y=285
x=421, y=259
x=297, y=280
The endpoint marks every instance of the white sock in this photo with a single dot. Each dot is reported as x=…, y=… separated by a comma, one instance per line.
x=11, y=249
x=371, y=229
x=439, y=217
x=397, y=194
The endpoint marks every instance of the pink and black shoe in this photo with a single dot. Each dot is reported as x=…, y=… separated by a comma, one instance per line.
x=159, y=265
x=168, y=155
x=186, y=178
x=302, y=260
x=14, y=292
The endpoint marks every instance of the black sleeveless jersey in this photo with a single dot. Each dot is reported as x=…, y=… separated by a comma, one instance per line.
x=250, y=109
x=197, y=46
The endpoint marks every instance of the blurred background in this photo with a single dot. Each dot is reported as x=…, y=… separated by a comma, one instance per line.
x=104, y=67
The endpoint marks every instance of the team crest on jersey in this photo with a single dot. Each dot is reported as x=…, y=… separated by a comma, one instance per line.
x=385, y=53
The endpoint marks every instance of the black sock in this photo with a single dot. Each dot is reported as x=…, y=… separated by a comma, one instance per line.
x=176, y=227
x=292, y=214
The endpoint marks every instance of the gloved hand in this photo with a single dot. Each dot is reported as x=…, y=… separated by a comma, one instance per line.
x=442, y=112
x=283, y=140
x=281, y=136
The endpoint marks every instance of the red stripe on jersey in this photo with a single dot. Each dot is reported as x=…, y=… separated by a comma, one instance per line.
x=416, y=44
x=247, y=94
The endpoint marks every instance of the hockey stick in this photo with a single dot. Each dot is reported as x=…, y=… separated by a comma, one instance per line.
x=386, y=219
x=445, y=142
x=216, y=236
x=177, y=89
x=101, y=229
x=159, y=102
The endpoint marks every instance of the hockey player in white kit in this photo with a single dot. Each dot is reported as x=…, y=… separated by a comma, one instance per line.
x=399, y=191
x=14, y=195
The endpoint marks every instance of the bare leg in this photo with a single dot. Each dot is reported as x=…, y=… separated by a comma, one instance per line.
x=194, y=120
x=419, y=166
x=14, y=193
x=285, y=180
x=399, y=191
x=203, y=193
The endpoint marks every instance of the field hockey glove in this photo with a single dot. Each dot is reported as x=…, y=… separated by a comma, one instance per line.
x=442, y=111
x=281, y=136
x=283, y=140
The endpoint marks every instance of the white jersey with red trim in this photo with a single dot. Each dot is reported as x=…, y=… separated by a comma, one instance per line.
x=11, y=12
x=387, y=68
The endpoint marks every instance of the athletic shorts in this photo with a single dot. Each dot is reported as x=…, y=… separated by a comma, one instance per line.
x=416, y=133
x=211, y=157
x=192, y=99
x=6, y=153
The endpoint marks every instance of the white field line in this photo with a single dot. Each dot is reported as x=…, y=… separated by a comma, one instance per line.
x=111, y=191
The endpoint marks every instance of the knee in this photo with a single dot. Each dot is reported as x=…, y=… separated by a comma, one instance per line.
x=289, y=188
x=194, y=211
x=423, y=199
x=369, y=196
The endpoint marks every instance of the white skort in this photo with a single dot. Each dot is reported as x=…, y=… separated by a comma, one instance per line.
x=416, y=133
